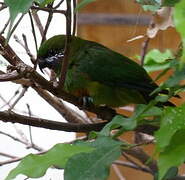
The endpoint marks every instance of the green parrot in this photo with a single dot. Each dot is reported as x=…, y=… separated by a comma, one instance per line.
x=99, y=73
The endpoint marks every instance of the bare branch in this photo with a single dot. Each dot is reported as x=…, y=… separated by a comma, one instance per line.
x=16, y=159
x=50, y=16
x=58, y=5
x=30, y=132
x=74, y=18
x=144, y=158
x=24, y=90
x=118, y=172
x=144, y=49
x=7, y=155
x=33, y=31
x=133, y=166
x=33, y=60
x=58, y=105
x=8, y=53
x=38, y=22
x=14, y=75
x=5, y=26
x=34, y=146
x=52, y=10
x=49, y=124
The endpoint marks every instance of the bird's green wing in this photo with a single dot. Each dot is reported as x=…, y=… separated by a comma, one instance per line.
x=113, y=69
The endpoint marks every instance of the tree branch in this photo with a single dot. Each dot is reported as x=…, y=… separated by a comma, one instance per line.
x=49, y=124
x=8, y=53
x=14, y=75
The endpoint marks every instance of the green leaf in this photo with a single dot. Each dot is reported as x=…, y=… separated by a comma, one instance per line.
x=35, y=166
x=118, y=121
x=175, y=79
x=156, y=60
x=173, y=155
x=179, y=20
x=96, y=164
x=170, y=139
x=83, y=3
x=16, y=7
x=152, y=111
x=171, y=173
x=172, y=120
x=128, y=124
x=170, y=2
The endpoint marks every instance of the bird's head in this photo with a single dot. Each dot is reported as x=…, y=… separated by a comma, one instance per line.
x=52, y=61
x=51, y=53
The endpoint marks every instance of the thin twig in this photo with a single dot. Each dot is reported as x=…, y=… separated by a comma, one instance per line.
x=118, y=173
x=9, y=101
x=27, y=49
x=60, y=107
x=7, y=155
x=58, y=5
x=133, y=166
x=74, y=18
x=48, y=9
x=25, y=46
x=50, y=16
x=8, y=53
x=132, y=161
x=34, y=146
x=3, y=6
x=17, y=159
x=20, y=96
x=38, y=22
x=5, y=26
x=33, y=30
x=5, y=102
x=143, y=157
x=67, y=46
x=14, y=75
x=30, y=133
x=144, y=49
x=15, y=26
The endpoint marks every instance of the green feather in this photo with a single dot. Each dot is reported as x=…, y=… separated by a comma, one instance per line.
x=108, y=77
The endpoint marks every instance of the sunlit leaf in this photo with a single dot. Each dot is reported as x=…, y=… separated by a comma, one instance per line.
x=156, y=60
x=35, y=166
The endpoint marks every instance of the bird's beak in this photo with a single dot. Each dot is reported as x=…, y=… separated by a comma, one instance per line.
x=41, y=69
x=41, y=65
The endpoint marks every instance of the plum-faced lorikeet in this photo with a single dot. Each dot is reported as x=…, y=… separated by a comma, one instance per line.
x=98, y=72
